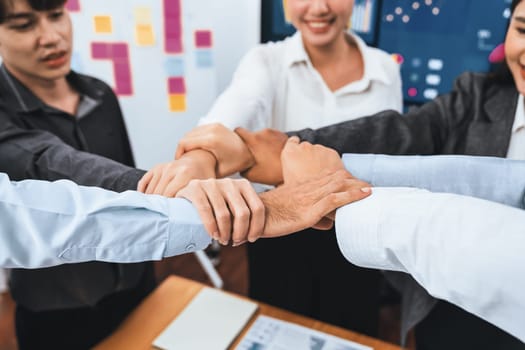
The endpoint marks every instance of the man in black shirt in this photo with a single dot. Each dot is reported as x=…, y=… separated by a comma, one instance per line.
x=57, y=124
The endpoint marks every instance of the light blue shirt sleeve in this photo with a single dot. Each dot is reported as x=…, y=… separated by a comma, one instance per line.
x=45, y=224
x=496, y=179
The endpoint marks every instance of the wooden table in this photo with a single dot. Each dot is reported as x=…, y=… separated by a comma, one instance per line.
x=154, y=314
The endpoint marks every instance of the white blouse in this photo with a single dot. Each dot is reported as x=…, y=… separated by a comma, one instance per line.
x=276, y=86
x=517, y=139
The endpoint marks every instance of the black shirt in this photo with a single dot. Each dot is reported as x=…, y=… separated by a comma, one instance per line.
x=92, y=148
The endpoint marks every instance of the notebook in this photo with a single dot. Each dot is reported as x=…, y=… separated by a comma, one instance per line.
x=211, y=321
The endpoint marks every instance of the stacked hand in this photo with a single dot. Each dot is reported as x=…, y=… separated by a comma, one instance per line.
x=312, y=178
x=168, y=178
x=317, y=174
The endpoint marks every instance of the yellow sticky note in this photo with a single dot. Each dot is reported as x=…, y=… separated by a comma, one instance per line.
x=142, y=15
x=177, y=103
x=103, y=24
x=144, y=35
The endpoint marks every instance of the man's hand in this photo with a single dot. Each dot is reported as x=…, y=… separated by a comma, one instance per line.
x=229, y=209
x=227, y=147
x=168, y=178
x=294, y=207
x=265, y=146
x=303, y=161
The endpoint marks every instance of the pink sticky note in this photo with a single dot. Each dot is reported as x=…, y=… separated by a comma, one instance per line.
x=176, y=85
x=173, y=26
x=203, y=39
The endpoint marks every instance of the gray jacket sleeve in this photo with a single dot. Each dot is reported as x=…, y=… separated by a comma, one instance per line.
x=26, y=154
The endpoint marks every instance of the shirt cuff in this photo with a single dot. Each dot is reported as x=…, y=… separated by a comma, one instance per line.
x=186, y=231
x=356, y=228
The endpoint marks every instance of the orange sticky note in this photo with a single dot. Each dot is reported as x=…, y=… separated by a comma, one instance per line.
x=144, y=35
x=177, y=103
x=103, y=24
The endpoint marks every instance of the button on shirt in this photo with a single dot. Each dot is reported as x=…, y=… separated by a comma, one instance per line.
x=276, y=86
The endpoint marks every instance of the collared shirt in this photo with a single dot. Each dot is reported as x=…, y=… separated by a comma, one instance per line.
x=98, y=127
x=461, y=249
x=443, y=241
x=277, y=86
x=517, y=139
x=91, y=148
x=45, y=224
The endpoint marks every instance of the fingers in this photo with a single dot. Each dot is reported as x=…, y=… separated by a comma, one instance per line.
x=155, y=178
x=229, y=209
x=196, y=195
x=239, y=211
x=188, y=144
x=245, y=134
x=324, y=224
x=257, y=211
x=144, y=181
x=336, y=200
x=175, y=185
x=220, y=210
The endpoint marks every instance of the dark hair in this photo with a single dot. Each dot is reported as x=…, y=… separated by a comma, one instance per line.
x=502, y=71
x=513, y=5
x=37, y=5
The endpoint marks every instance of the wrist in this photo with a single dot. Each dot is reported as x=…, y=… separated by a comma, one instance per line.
x=204, y=160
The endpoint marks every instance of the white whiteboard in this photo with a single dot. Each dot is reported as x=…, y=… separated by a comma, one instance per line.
x=153, y=128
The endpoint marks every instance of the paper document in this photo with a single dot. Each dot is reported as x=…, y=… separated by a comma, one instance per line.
x=211, y=321
x=269, y=333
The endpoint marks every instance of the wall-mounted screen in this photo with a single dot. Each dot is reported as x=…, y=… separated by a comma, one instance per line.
x=436, y=40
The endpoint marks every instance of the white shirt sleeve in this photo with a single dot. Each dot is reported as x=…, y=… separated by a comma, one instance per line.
x=467, y=251
x=248, y=100
x=45, y=224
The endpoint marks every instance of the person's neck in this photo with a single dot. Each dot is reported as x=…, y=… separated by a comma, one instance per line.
x=57, y=93
x=330, y=55
x=339, y=63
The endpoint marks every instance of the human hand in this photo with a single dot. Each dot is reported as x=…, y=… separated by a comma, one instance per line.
x=294, y=207
x=168, y=178
x=265, y=146
x=302, y=161
x=227, y=147
x=229, y=209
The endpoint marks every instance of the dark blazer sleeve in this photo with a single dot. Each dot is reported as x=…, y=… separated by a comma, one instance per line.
x=36, y=154
x=424, y=131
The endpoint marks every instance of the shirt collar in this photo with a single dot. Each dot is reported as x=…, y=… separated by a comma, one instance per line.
x=519, y=119
x=373, y=70
x=23, y=100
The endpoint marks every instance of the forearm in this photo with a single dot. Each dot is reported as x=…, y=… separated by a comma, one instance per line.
x=452, y=245
x=479, y=177
x=41, y=155
x=46, y=224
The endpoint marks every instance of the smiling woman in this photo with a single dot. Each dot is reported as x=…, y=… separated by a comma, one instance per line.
x=324, y=74
x=515, y=45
